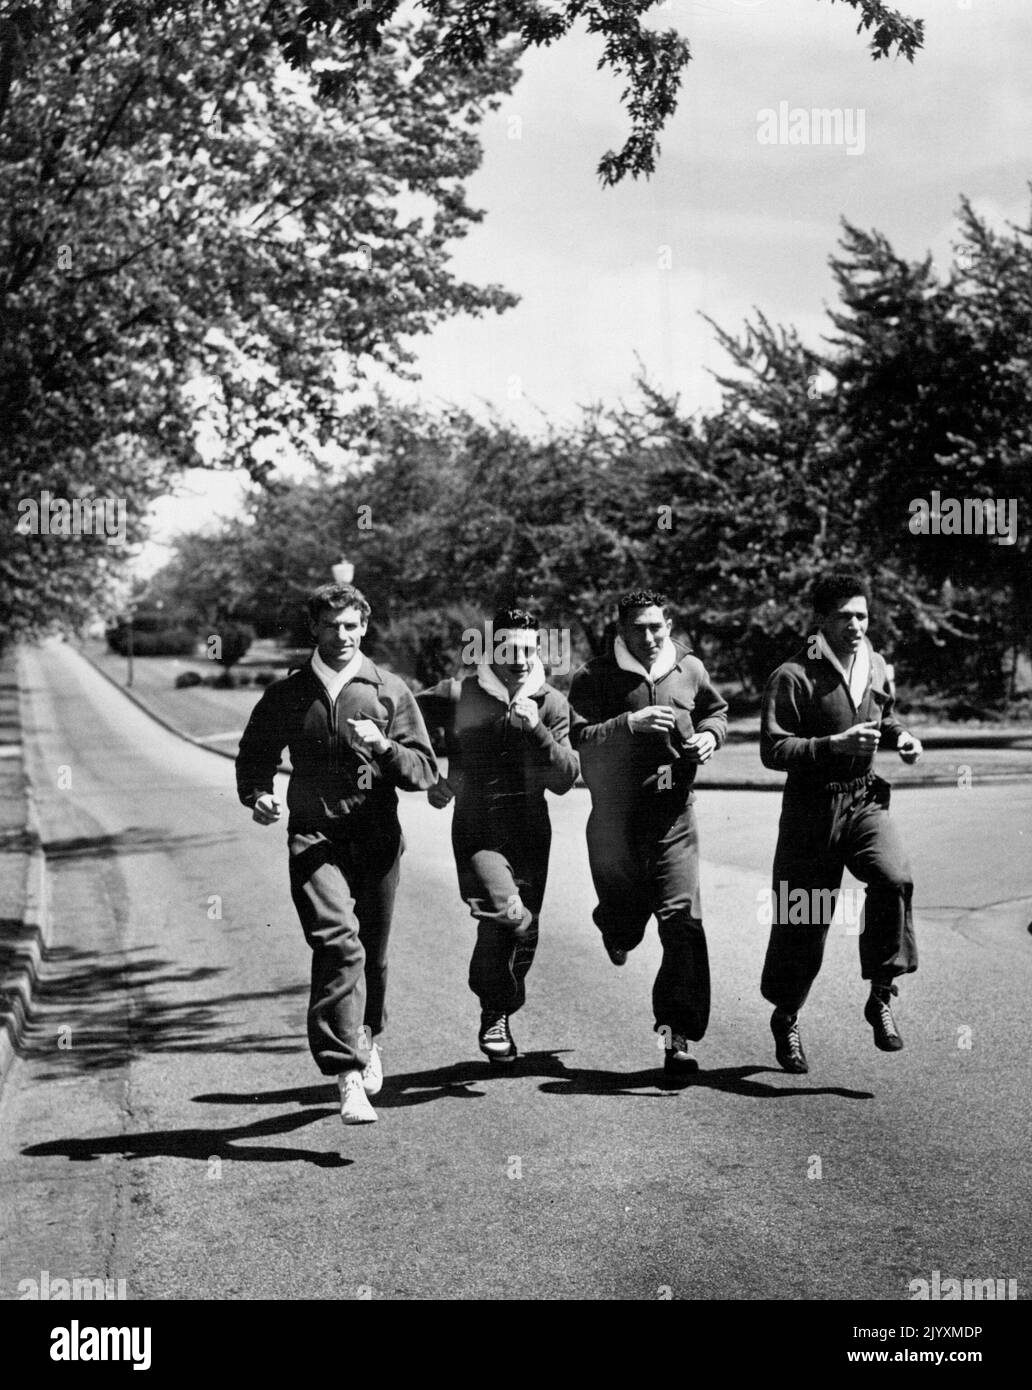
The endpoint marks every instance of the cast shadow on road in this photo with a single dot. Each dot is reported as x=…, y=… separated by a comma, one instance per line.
x=201, y=1145
x=734, y=1080
x=453, y=1083
x=93, y=1011
x=135, y=839
x=408, y=1088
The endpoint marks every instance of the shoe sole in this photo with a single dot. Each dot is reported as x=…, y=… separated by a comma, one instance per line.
x=501, y=1061
x=359, y=1119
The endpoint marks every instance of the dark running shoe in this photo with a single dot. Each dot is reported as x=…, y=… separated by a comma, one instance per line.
x=788, y=1046
x=677, y=1060
x=879, y=1016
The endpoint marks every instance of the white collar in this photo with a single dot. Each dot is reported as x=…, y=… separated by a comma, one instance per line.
x=666, y=660
x=532, y=684
x=335, y=681
x=857, y=676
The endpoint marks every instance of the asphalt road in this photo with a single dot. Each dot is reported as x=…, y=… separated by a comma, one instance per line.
x=167, y=1126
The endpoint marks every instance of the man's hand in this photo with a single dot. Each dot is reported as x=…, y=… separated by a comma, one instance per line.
x=524, y=712
x=653, y=719
x=861, y=738
x=909, y=748
x=369, y=736
x=440, y=794
x=699, y=748
x=266, y=810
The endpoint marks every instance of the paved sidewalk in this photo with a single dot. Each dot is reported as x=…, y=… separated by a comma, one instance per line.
x=24, y=924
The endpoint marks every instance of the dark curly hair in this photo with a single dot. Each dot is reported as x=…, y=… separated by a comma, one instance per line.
x=836, y=587
x=336, y=596
x=513, y=620
x=641, y=598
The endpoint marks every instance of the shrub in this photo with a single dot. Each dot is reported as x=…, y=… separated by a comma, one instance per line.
x=234, y=639
x=186, y=679
x=169, y=641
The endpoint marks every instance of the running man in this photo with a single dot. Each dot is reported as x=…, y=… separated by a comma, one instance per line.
x=355, y=736
x=507, y=735
x=645, y=718
x=825, y=713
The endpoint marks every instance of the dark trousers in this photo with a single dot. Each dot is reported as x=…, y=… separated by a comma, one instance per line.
x=504, y=887
x=820, y=834
x=344, y=894
x=645, y=862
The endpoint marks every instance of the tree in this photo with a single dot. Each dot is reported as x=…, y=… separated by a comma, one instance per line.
x=934, y=391
x=468, y=33
x=199, y=237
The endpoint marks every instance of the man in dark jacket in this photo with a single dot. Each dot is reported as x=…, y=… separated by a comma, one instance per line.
x=355, y=736
x=645, y=718
x=825, y=712
x=506, y=732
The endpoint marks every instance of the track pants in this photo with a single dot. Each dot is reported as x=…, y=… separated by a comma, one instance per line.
x=820, y=834
x=645, y=862
x=343, y=891
x=504, y=887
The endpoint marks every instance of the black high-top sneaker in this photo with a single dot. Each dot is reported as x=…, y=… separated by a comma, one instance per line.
x=879, y=1016
x=677, y=1060
x=788, y=1046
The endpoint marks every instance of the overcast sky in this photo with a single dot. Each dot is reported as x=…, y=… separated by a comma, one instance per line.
x=728, y=224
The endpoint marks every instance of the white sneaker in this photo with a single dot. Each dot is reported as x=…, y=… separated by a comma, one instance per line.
x=354, y=1103
x=372, y=1076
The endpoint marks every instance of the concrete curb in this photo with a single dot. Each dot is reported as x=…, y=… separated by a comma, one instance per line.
x=33, y=939
x=142, y=704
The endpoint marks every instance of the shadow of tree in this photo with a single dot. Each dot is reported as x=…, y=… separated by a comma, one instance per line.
x=135, y=839
x=94, y=1011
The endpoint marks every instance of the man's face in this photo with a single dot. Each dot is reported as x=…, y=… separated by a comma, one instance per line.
x=845, y=626
x=514, y=651
x=338, y=634
x=644, y=631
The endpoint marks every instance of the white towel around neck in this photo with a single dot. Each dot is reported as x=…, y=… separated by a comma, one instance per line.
x=335, y=681
x=531, y=684
x=666, y=660
x=859, y=673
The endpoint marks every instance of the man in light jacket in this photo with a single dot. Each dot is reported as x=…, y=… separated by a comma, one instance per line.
x=355, y=737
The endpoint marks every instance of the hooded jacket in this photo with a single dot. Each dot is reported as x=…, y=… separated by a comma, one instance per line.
x=621, y=766
x=336, y=786
x=806, y=701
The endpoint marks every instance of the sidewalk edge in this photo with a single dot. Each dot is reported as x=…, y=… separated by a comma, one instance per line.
x=35, y=933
